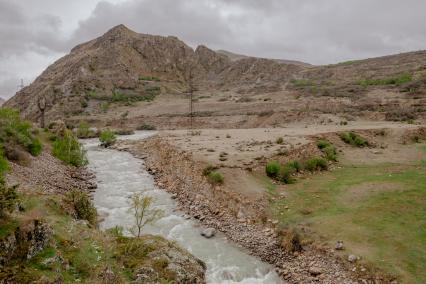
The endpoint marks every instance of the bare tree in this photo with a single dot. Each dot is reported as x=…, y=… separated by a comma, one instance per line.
x=41, y=103
x=140, y=207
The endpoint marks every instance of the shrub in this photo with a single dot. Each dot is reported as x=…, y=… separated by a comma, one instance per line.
x=272, y=169
x=215, y=178
x=290, y=240
x=83, y=130
x=4, y=165
x=82, y=205
x=316, y=163
x=207, y=170
x=353, y=139
x=330, y=153
x=69, y=150
x=285, y=174
x=35, y=147
x=146, y=127
x=107, y=138
x=8, y=198
x=280, y=140
x=15, y=131
x=323, y=144
x=295, y=165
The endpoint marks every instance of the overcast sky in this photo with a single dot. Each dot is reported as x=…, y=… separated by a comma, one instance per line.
x=34, y=33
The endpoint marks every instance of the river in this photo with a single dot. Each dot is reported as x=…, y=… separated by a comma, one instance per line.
x=119, y=175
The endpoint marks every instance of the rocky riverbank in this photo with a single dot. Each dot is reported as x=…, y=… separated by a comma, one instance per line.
x=229, y=213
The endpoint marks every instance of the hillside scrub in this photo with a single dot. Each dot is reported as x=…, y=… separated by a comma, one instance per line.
x=82, y=205
x=397, y=80
x=69, y=150
x=107, y=138
x=328, y=149
x=84, y=131
x=8, y=198
x=215, y=178
x=316, y=164
x=353, y=139
x=14, y=131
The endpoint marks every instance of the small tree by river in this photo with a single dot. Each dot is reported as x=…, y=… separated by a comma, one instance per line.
x=140, y=207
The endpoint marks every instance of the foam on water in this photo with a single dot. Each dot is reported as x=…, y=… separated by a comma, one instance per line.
x=119, y=175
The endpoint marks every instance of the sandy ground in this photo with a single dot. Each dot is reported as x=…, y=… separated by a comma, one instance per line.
x=242, y=147
x=234, y=151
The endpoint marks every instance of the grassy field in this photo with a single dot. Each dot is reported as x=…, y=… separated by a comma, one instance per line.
x=378, y=211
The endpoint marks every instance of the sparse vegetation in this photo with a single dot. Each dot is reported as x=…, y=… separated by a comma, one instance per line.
x=16, y=132
x=328, y=149
x=140, y=207
x=215, y=178
x=8, y=198
x=107, y=138
x=82, y=206
x=316, y=164
x=83, y=131
x=353, y=139
x=208, y=170
x=149, y=78
x=279, y=140
x=146, y=126
x=69, y=150
x=397, y=80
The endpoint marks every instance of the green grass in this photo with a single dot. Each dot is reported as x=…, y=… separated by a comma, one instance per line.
x=387, y=228
x=69, y=150
x=397, y=80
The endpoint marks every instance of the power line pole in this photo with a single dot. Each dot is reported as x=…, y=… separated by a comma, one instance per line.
x=191, y=102
x=21, y=86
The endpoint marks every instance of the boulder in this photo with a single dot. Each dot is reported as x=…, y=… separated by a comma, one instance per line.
x=208, y=233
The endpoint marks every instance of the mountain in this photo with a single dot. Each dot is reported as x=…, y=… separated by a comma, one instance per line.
x=1, y=101
x=122, y=64
x=124, y=78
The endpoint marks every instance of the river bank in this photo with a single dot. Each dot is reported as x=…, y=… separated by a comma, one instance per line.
x=230, y=214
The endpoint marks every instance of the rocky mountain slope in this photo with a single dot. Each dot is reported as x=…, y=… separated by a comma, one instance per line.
x=137, y=78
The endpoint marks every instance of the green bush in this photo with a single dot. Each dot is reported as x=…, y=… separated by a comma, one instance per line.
x=83, y=130
x=323, y=144
x=215, y=178
x=272, y=169
x=207, y=170
x=280, y=140
x=315, y=164
x=295, y=165
x=285, y=174
x=330, y=153
x=35, y=147
x=353, y=139
x=82, y=205
x=69, y=150
x=15, y=131
x=107, y=138
x=4, y=165
x=8, y=198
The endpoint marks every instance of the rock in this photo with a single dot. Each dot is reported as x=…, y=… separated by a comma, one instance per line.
x=352, y=258
x=315, y=271
x=208, y=233
x=339, y=245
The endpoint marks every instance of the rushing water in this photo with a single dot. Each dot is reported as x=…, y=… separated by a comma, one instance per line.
x=119, y=175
